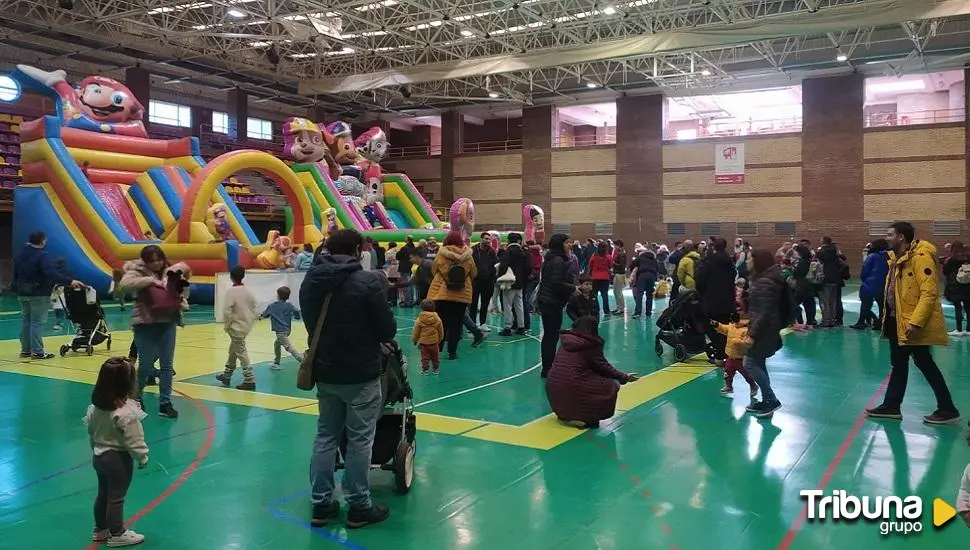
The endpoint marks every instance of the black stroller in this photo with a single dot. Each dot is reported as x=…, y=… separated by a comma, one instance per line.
x=394, y=441
x=683, y=327
x=90, y=328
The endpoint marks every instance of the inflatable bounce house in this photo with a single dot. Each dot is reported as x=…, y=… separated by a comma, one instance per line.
x=102, y=189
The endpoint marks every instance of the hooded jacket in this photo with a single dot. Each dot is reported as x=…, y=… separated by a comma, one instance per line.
x=873, y=274
x=428, y=329
x=136, y=280
x=736, y=333
x=34, y=273
x=715, y=276
x=556, y=284
x=685, y=270
x=645, y=269
x=582, y=384
x=916, y=296
x=770, y=306
x=519, y=261
x=357, y=322
x=448, y=256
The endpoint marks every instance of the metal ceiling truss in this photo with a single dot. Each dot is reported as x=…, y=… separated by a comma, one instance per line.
x=268, y=46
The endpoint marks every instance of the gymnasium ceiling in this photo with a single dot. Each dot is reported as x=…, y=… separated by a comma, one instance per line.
x=413, y=57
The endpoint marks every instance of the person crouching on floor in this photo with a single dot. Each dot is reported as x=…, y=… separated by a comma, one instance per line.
x=737, y=333
x=582, y=385
x=428, y=334
x=583, y=303
x=239, y=315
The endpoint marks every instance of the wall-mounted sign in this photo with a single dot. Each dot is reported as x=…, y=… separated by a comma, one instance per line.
x=729, y=163
x=9, y=89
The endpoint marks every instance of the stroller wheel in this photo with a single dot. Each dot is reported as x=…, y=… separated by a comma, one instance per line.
x=89, y=350
x=404, y=465
x=64, y=349
x=659, y=348
x=680, y=352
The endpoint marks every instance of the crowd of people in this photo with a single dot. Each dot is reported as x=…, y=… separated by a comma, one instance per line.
x=746, y=296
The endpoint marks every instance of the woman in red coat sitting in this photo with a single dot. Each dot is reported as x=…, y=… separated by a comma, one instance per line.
x=582, y=385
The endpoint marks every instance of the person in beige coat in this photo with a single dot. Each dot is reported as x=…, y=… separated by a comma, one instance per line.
x=239, y=315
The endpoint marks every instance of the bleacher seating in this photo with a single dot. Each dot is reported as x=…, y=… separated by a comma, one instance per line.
x=10, y=171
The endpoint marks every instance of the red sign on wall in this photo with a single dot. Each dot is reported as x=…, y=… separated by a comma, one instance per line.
x=729, y=163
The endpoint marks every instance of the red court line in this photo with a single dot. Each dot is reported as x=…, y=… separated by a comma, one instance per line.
x=210, y=432
x=796, y=525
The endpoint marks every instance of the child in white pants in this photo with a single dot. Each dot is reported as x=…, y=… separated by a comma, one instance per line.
x=239, y=314
x=281, y=314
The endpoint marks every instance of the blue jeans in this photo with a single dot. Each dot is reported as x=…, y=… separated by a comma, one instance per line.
x=641, y=291
x=758, y=369
x=33, y=311
x=354, y=408
x=156, y=342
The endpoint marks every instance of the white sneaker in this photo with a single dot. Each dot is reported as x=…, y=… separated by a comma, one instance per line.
x=485, y=328
x=128, y=538
x=276, y=366
x=956, y=333
x=100, y=535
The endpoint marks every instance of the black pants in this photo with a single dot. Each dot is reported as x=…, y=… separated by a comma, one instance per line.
x=961, y=307
x=452, y=314
x=718, y=340
x=603, y=287
x=807, y=301
x=866, y=316
x=421, y=292
x=899, y=358
x=114, y=469
x=551, y=325
x=481, y=297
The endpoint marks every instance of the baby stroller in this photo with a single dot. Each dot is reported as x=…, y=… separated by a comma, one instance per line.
x=394, y=441
x=90, y=328
x=682, y=326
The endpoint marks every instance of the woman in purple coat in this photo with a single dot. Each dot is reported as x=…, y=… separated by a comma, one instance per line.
x=582, y=385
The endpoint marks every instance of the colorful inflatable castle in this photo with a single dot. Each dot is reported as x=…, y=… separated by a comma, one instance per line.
x=101, y=189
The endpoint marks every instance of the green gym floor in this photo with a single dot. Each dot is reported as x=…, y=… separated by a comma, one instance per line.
x=679, y=467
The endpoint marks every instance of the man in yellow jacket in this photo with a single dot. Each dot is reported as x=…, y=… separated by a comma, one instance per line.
x=913, y=322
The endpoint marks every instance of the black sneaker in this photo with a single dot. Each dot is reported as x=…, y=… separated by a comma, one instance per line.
x=753, y=406
x=452, y=356
x=42, y=356
x=635, y=316
x=479, y=338
x=942, y=417
x=25, y=355
x=766, y=409
x=226, y=380
x=505, y=332
x=247, y=386
x=362, y=517
x=882, y=411
x=857, y=326
x=323, y=513
x=167, y=410
x=521, y=332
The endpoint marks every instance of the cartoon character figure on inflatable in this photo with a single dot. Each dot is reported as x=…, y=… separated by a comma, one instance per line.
x=496, y=239
x=462, y=217
x=306, y=142
x=342, y=148
x=535, y=223
x=371, y=146
x=331, y=214
x=216, y=219
x=279, y=254
x=97, y=104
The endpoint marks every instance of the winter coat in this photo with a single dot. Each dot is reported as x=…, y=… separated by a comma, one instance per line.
x=599, y=267
x=620, y=261
x=582, y=385
x=485, y=260
x=556, y=283
x=519, y=261
x=715, y=276
x=955, y=291
x=736, y=333
x=303, y=261
x=581, y=305
x=645, y=269
x=535, y=255
x=685, y=270
x=136, y=280
x=917, y=296
x=832, y=262
x=34, y=274
x=358, y=320
x=804, y=289
x=428, y=329
x=448, y=256
x=770, y=305
x=662, y=258
x=873, y=274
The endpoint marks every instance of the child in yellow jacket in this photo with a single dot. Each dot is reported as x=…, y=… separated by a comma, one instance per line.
x=737, y=333
x=428, y=334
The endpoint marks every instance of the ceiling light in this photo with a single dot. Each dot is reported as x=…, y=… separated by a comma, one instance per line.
x=492, y=95
x=897, y=86
x=467, y=33
x=841, y=58
x=705, y=72
x=592, y=85
x=609, y=10
x=235, y=13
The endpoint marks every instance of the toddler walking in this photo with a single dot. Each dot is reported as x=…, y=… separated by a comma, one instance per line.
x=281, y=314
x=428, y=334
x=239, y=314
x=57, y=304
x=117, y=440
x=736, y=333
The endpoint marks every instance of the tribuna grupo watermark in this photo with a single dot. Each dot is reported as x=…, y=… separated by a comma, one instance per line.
x=895, y=515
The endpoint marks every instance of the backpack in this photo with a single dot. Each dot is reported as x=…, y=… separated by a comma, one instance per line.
x=963, y=274
x=455, y=277
x=816, y=273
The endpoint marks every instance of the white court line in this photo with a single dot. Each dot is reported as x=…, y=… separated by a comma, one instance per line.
x=479, y=387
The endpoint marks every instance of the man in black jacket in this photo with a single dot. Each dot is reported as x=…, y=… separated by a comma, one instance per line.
x=715, y=276
x=483, y=286
x=347, y=370
x=831, y=299
x=519, y=261
x=556, y=286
